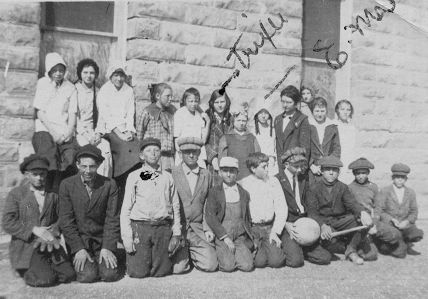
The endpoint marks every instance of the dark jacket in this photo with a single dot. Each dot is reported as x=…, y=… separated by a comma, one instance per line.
x=21, y=213
x=388, y=207
x=329, y=146
x=296, y=133
x=216, y=207
x=323, y=204
x=89, y=223
x=293, y=209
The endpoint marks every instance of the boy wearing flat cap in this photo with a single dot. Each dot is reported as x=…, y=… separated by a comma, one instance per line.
x=89, y=218
x=31, y=216
x=398, y=211
x=334, y=207
x=365, y=193
x=294, y=186
x=192, y=183
x=228, y=215
x=150, y=216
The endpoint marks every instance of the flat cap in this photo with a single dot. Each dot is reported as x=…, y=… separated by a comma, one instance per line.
x=149, y=141
x=330, y=161
x=361, y=163
x=188, y=143
x=90, y=151
x=34, y=161
x=229, y=162
x=293, y=155
x=400, y=169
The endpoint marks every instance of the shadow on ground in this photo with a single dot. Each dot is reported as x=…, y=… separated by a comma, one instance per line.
x=386, y=278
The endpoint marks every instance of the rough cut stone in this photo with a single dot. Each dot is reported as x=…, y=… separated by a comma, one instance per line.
x=142, y=69
x=16, y=128
x=143, y=28
x=170, y=10
x=8, y=152
x=242, y=6
x=186, y=34
x=20, y=12
x=20, y=35
x=199, y=55
x=26, y=58
x=16, y=106
x=154, y=50
x=212, y=17
x=19, y=82
x=286, y=8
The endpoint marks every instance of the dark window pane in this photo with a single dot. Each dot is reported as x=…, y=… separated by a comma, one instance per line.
x=321, y=20
x=96, y=16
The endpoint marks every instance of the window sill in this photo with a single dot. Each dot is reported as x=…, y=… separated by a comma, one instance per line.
x=79, y=31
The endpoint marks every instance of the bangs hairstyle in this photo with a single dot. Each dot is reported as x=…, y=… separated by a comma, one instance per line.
x=291, y=92
x=341, y=102
x=256, y=121
x=319, y=102
x=157, y=89
x=303, y=87
x=214, y=96
x=87, y=63
x=190, y=91
x=255, y=159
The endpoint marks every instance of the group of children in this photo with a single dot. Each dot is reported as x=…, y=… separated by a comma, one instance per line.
x=186, y=188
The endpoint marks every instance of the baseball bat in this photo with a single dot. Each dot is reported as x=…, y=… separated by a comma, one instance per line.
x=347, y=231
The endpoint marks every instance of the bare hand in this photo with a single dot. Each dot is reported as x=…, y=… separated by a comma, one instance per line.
x=210, y=236
x=366, y=219
x=395, y=222
x=129, y=245
x=403, y=224
x=273, y=238
x=80, y=259
x=214, y=163
x=96, y=139
x=108, y=257
x=291, y=229
x=43, y=233
x=229, y=244
x=326, y=232
x=316, y=169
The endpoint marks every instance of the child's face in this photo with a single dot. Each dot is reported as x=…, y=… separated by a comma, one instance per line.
x=165, y=98
x=295, y=168
x=240, y=123
x=330, y=174
x=190, y=157
x=344, y=112
x=361, y=175
x=118, y=79
x=320, y=114
x=229, y=174
x=306, y=95
x=220, y=105
x=288, y=104
x=57, y=73
x=263, y=117
x=88, y=75
x=192, y=103
x=261, y=171
x=37, y=177
x=399, y=180
x=151, y=154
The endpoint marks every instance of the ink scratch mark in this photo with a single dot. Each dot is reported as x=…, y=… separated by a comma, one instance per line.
x=226, y=83
x=280, y=82
x=6, y=69
x=327, y=59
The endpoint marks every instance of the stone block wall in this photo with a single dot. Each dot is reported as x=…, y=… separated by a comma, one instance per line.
x=186, y=45
x=19, y=47
x=389, y=88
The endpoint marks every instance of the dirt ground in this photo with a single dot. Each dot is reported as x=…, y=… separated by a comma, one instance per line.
x=386, y=278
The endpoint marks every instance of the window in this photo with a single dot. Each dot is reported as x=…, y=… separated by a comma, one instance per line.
x=84, y=16
x=321, y=20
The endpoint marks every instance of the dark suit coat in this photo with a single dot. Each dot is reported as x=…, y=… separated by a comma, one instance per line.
x=89, y=223
x=216, y=207
x=193, y=205
x=296, y=133
x=21, y=213
x=330, y=145
x=322, y=204
x=293, y=209
x=388, y=207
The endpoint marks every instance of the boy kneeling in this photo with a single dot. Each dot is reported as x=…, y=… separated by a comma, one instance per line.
x=150, y=216
x=398, y=213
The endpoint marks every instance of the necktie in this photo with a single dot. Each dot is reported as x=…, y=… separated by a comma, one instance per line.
x=297, y=195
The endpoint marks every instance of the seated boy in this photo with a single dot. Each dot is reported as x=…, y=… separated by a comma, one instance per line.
x=398, y=211
x=268, y=210
x=365, y=193
x=150, y=216
x=334, y=207
x=30, y=216
x=227, y=214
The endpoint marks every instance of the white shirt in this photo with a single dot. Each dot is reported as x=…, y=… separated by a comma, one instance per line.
x=57, y=102
x=191, y=176
x=286, y=120
x=231, y=193
x=267, y=201
x=320, y=128
x=291, y=178
x=40, y=197
x=399, y=192
x=266, y=142
x=116, y=108
x=187, y=124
